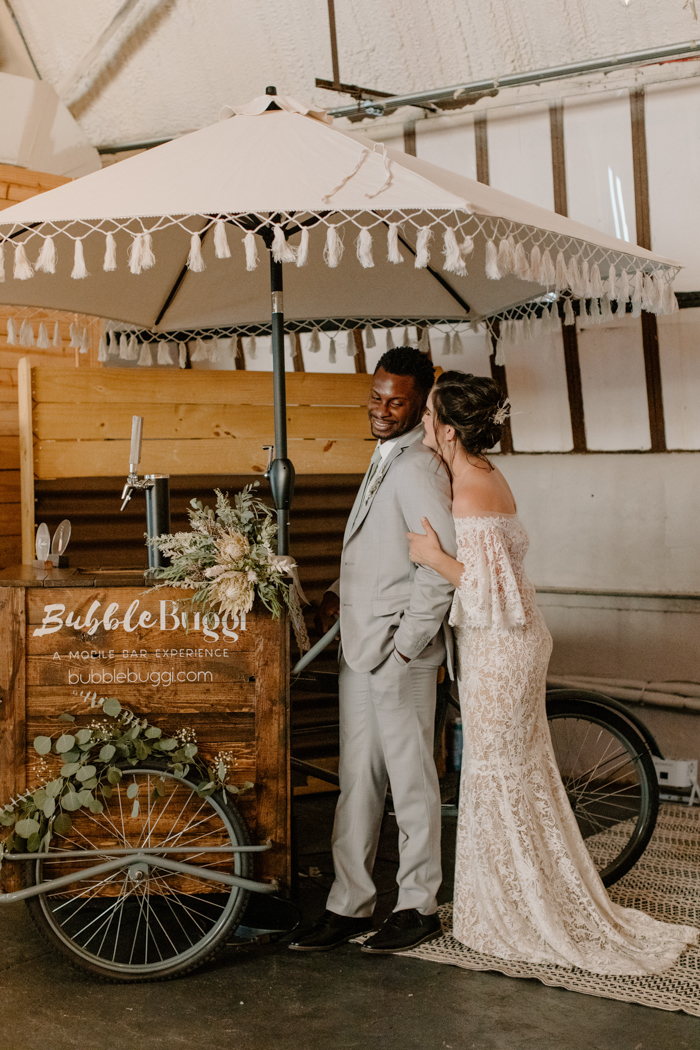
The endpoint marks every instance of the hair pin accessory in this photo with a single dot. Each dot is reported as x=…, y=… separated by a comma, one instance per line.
x=502, y=412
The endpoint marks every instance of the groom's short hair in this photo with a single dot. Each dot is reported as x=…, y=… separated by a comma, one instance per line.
x=409, y=361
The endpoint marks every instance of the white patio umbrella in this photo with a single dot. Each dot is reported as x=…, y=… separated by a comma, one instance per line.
x=365, y=232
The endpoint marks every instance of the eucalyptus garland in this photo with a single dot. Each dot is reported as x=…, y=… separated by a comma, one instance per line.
x=95, y=759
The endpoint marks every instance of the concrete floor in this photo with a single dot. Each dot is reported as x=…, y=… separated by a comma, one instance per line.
x=264, y=997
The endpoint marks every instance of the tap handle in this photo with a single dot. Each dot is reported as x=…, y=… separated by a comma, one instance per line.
x=136, y=435
x=126, y=494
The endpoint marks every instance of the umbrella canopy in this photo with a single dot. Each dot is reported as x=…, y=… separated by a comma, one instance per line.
x=153, y=241
x=156, y=241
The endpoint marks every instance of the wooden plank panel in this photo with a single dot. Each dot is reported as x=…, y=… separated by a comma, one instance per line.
x=40, y=180
x=9, y=519
x=26, y=457
x=9, y=486
x=9, y=452
x=66, y=459
x=8, y=385
x=10, y=550
x=12, y=709
x=9, y=418
x=49, y=702
x=87, y=422
x=273, y=779
x=148, y=672
x=194, y=387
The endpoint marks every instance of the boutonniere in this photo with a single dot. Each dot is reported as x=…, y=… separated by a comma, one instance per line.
x=375, y=483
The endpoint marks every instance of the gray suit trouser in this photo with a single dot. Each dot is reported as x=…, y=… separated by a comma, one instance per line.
x=386, y=736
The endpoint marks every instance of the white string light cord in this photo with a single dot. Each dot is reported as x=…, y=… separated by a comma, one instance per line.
x=555, y=262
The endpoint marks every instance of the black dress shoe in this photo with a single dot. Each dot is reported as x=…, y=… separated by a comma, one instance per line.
x=329, y=932
x=403, y=930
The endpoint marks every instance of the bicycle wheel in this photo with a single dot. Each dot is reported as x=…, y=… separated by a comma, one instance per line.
x=609, y=776
x=143, y=922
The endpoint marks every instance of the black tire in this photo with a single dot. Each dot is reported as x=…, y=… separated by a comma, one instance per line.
x=614, y=705
x=109, y=926
x=609, y=776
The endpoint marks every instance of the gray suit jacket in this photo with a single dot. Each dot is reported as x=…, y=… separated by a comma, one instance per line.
x=386, y=601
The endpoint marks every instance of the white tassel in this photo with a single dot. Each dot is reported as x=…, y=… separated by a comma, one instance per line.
x=12, y=333
x=57, y=335
x=506, y=255
x=112, y=344
x=594, y=312
x=85, y=342
x=535, y=264
x=132, y=352
x=195, y=262
x=500, y=357
x=561, y=275
x=74, y=336
x=251, y=251
x=611, y=288
x=2, y=262
x=221, y=248
x=333, y=252
x=102, y=350
x=422, y=247
x=289, y=346
x=583, y=310
x=552, y=319
x=574, y=276
x=282, y=250
x=110, y=259
x=651, y=296
x=406, y=341
x=350, y=348
x=392, y=242
x=492, y=271
x=331, y=351
x=547, y=273
x=467, y=245
x=521, y=265
x=303, y=249
x=569, y=316
x=623, y=291
x=79, y=270
x=314, y=341
x=164, y=356
x=47, y=257
x=389, y=340
x=454, y=263
x=606, y=313
x=424, y=341
x=252, y=348
x=638, y=287
x=22, y=268
x=370, y=341
x=26, y=334
x=457, y=344
x=182, y=355
x=42, y=339
x=597, y=289
x=447, y=345
x=146, y=356
x=123, y=347
x=364, y=249
x=586, y=290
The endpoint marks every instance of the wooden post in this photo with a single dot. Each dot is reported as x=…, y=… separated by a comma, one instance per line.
x=12, y=710
x=360, y=359
x=297, y=355
x=26, y=457
x=240, y=356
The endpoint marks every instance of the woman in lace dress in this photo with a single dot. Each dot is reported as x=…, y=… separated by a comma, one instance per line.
x=525, y=886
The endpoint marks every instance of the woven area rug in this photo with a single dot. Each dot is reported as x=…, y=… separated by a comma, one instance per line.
x=665, y=883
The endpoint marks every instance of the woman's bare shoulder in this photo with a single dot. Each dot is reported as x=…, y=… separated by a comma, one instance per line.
x=480, y=492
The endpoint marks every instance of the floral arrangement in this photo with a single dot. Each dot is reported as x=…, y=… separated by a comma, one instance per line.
x=227, y=559
x=94, y=760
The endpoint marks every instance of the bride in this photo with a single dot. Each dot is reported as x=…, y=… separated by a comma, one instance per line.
x=525, y=886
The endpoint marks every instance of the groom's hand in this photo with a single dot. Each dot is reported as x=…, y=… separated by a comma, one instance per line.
x=327, y=612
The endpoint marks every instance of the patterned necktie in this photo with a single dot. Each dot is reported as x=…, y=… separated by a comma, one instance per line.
x=371, y=471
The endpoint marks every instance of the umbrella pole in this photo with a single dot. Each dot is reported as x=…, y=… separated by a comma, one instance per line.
x=281, y=470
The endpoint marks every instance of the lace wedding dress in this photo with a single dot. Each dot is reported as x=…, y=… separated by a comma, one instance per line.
x=525, y=886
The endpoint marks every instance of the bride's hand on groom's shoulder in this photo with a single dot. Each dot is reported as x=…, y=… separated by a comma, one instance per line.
x=424, y=547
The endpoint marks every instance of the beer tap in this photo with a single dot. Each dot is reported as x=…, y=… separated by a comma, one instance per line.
x=156, y=488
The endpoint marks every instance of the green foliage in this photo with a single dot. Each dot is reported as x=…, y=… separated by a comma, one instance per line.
x=94, y=760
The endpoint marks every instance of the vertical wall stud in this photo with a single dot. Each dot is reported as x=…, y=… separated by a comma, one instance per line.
x=360, y=360
x=26, y=457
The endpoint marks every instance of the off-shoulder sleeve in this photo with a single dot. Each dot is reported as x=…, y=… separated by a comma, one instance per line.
x=488, y=594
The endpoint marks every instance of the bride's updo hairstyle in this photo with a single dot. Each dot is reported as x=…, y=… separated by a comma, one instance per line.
x=474, y=406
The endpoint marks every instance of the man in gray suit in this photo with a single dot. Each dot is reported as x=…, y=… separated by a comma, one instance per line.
x=394, y=637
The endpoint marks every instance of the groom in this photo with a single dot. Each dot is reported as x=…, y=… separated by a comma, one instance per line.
x=393, y=639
